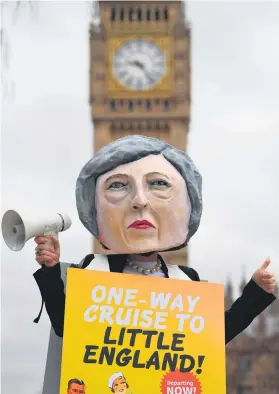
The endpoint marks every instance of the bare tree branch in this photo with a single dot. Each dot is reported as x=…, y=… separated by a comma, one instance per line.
x=8, y=86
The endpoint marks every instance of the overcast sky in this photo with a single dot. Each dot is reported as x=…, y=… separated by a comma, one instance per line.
x=47, y=138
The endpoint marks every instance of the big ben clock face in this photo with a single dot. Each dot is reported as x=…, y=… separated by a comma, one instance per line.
x=139, y=65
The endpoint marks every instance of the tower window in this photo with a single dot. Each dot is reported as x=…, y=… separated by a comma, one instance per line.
x=148, y=14
x=112, y=14
x=148, y=105
x=131, y=14
x=244, y=364
x=166, y=105
x=131, y=106
x=112, y=105
x=139, y=14
x=157, y=14
x=166, y=127
x=166, y=14
x=122, y=14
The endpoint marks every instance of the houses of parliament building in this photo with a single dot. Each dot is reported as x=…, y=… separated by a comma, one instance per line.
x=253, y=356
x=152, y=96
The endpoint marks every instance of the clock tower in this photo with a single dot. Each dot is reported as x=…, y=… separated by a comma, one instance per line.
x=140, y=75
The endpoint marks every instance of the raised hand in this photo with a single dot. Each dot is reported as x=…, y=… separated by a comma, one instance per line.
x=264, y=278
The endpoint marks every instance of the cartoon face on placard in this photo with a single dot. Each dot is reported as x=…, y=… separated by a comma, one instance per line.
x=142, y=206
x=139, y=195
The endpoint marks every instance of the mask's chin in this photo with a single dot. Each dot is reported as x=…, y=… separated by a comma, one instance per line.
x=146, y=254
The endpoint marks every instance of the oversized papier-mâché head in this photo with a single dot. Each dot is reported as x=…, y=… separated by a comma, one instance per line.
x=139, y=194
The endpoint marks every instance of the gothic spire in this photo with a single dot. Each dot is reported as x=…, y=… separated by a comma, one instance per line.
x=243, y=280
x=228, y=294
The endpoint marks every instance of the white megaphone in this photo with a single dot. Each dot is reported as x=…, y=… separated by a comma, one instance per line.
x=16, y=231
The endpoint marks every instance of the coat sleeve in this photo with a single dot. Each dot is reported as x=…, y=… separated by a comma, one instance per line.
x=52, y=291
x=244, y=310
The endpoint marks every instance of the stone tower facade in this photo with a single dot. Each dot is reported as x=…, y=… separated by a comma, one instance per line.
x=140, y=75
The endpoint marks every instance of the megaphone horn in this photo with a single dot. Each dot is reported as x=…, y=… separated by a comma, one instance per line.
x=16, y=231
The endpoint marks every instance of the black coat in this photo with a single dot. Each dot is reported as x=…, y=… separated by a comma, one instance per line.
x=243, y=311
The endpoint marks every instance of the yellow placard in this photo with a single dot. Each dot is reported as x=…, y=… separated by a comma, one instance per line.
x=165, y=336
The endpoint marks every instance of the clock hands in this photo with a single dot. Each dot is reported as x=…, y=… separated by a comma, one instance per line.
x=142, y=67
x=137, y=64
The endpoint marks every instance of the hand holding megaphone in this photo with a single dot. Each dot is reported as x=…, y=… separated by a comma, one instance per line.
x=17, y=231
x=48, y=251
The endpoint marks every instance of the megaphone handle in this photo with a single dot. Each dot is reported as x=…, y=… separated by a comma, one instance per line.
x=49, y=242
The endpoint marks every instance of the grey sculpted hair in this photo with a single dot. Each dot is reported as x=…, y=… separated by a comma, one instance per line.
x=126, y=150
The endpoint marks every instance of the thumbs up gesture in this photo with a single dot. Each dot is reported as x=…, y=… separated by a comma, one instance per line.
x=264, y=278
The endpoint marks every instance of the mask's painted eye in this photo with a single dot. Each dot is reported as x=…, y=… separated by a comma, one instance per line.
x=117, y=185
x=159, y=183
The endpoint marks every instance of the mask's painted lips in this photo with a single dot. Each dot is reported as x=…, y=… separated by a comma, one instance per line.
x=141, y=225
